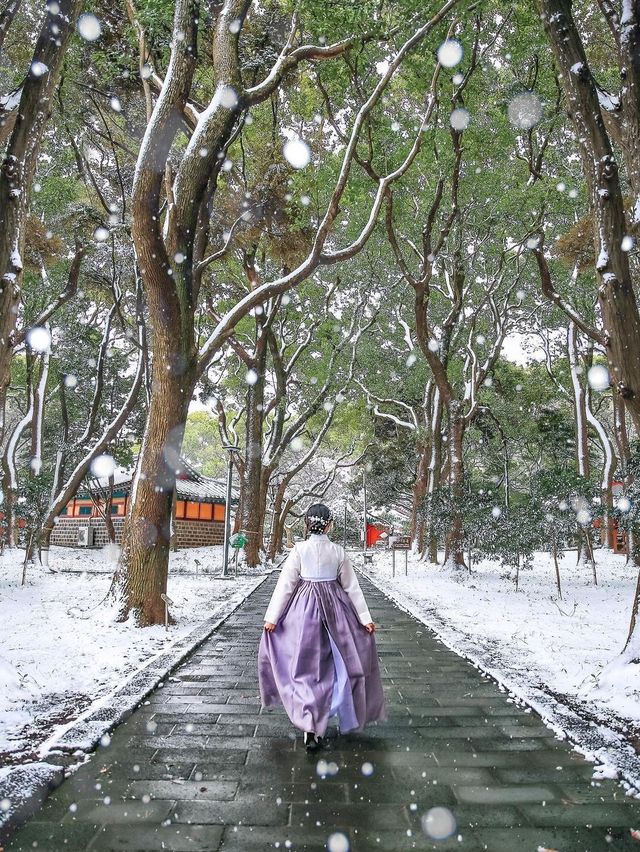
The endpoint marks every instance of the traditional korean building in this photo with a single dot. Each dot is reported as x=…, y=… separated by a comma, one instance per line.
x=199, y=511
x=377, y=532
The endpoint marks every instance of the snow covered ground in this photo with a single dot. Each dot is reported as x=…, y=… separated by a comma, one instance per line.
x=535, y=641
x=60, y=648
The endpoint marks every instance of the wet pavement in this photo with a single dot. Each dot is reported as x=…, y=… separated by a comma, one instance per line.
x=199, y=767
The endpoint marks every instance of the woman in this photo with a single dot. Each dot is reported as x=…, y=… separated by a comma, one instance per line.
x=317, y=653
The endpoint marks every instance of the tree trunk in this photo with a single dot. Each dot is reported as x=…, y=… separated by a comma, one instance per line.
x=608, y=469
x=6, y=18
x=456, y=480
x=142, y=575
x=253, y=485
x=435, y=472
x=627, y=34
x=579, y=403
x=108, y=518
x=590, y=553
x=174, y=530
x=18, y=169
x=620, y=431
x=277, y=525
x=9, y=472
x=616, y=296
x=557, y=568
x=276, y=545
x=418, y=494
x=9, y=512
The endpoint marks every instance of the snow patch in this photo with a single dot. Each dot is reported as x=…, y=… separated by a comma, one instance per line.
x=562, y=657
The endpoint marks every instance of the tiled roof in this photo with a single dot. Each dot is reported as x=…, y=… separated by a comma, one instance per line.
x=205, y=490
x=190, y=485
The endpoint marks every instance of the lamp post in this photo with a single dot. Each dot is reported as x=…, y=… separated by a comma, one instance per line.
x=274, y=486
x=364, y=489
x=227, y=513
x=344, y=532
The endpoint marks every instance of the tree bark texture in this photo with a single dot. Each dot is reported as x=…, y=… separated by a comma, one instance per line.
x=615, y=290
x=254, y=496
x=18, y=169
x=457, y=428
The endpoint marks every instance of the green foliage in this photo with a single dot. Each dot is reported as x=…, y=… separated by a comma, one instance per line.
x=524, y=428
x=202, y=445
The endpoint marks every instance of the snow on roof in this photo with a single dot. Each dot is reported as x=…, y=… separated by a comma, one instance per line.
x=204, y=491
x=190, y=485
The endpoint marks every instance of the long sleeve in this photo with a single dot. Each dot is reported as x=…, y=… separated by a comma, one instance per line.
x=287, y=582
x=349, y=582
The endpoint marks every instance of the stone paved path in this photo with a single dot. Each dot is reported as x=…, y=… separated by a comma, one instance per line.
x=198, y=767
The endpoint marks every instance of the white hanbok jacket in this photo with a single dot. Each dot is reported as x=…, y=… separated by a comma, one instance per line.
x=317, y=558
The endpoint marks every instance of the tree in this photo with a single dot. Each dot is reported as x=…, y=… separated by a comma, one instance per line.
x=616, y=298
x=172, y=251
x=19, y=164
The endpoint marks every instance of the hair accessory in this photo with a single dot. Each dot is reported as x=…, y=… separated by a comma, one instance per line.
x=317, y=524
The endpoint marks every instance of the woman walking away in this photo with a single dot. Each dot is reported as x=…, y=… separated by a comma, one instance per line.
x=317, y=653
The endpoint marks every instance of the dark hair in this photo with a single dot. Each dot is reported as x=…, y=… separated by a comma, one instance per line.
x=317, y=518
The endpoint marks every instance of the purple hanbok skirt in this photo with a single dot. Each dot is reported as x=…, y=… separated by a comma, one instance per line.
x=320, y=661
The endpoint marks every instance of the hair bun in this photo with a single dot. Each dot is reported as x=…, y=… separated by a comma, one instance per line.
x=317, y=518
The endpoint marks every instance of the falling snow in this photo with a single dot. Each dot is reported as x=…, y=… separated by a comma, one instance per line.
x=89, y=27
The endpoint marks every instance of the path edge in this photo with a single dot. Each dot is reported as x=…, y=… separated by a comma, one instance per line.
x=600, y=745
x=27, y=785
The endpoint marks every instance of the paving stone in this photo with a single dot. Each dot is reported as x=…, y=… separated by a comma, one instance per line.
x=429, y=795
x=97, y=812
x=579, y=774
x=241, y=812
x=258, y=839
x=216, y=772
x=224, y=774
x=199, y=728
x=346, y=773
x=452, y=775
x=146, y=771
x=345, y=817
x=576, y=791
x=199, y=838
x=51, y=837
x=470, y=817
x=605, y=814
x=510, y=743
x=178, y=741
x=567, y=840
x=242, y=729
x=505, y=795
x=389, y=841
x=232, y=757
x=456, y=713
x=192, y=791
x=293, y=791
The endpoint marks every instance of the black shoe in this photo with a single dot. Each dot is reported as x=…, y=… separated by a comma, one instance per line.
x=311, y=741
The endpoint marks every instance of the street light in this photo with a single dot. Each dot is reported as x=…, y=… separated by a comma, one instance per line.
x=364, y=489
x=344, y=532
x=227, y=513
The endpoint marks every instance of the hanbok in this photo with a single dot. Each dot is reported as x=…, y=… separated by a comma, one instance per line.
x=320, y=660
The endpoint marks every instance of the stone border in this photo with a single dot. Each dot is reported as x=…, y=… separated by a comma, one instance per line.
x=597, y=743
x=26, y=786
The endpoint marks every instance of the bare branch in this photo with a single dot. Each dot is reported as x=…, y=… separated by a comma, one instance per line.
x=550, y=292
x=68, y=293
